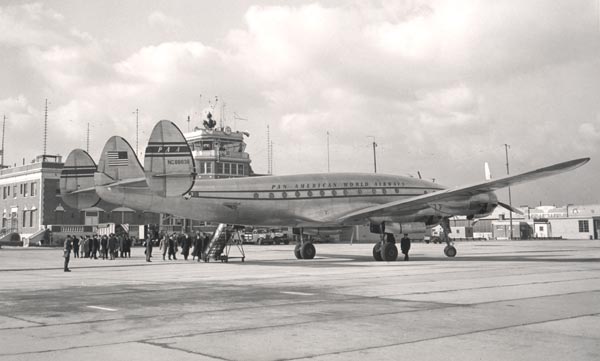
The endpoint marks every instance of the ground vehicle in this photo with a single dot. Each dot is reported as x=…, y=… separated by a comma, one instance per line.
x=264, y=236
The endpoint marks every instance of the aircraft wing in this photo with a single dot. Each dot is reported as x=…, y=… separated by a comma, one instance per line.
x=420, y=202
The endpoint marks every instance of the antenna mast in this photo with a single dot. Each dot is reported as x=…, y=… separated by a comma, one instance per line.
x=45, y=130
x=506, y=146
x=3, y=128
x=87, y=144
x=268, y=150
x=137, y=127
x=327, y=151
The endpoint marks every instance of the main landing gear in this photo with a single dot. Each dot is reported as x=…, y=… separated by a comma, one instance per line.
x=304, y=250
x=386, y=250
x=449, y=250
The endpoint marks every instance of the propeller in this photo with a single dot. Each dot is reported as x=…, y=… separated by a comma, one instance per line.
x=512, y=209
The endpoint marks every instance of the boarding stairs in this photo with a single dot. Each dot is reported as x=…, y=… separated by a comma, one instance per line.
x=221, y=243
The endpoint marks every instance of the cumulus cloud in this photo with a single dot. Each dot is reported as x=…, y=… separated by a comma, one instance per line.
x=163, y=21
x=429, y=80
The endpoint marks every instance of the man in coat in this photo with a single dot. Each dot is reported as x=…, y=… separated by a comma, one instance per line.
x=67, y=252
x=405, y=246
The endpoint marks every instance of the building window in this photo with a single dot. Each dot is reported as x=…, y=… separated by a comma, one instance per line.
x=584, y=226
x=15, y=191
x=219, y=168
x=209, y=167
x=3, y=192
x=241, y=169
x=32, y=217
x=33, y=189
x=8, y=190
x=25, y=190
x=227, y=168
x=200, y=167
x=234, y=168
x=24, y=218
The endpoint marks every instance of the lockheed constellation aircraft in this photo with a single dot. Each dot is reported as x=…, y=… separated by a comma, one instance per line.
x=168, y=184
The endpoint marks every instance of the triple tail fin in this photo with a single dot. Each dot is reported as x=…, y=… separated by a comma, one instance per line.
x=118, y=162
x=168, y=162
x=77, y=180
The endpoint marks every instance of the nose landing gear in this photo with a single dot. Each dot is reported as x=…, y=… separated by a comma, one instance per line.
x=449, y=250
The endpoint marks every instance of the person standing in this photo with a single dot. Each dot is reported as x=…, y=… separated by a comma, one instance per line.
x=104, y=246
x=75, y=247
x=67, y=252
x=164, y=245
x=85, y=247
x=405, y=246
x=197, y=252
x=185, y=246
x=172, y=247
x=149, y=249
x=95, y=246
x=112, y=245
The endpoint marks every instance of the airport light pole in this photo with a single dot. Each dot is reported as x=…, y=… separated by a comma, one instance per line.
x=506, y=146
x=374, y=153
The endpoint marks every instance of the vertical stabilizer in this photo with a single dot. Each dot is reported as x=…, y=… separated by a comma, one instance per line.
x=118, y=162
x=488, y=175
x=77, y=180
x=168, y=162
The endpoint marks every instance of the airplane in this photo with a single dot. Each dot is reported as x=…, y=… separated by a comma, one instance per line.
x=167, y=183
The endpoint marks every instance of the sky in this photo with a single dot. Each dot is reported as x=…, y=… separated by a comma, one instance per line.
x=440, y=86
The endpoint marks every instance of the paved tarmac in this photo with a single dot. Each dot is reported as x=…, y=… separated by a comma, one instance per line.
x=520, y=300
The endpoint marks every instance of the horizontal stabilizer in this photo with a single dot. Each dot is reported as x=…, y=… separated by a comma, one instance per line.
x=77, y=180
x=168, y=163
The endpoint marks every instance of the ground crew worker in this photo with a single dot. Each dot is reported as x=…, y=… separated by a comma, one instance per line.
x=67, y=252
x=405, y=246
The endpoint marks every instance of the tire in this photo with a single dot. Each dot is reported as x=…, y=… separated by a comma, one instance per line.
x=297, y=251
x=308, y=251
x=389, y=252
x=450, y=251
x=377, y=252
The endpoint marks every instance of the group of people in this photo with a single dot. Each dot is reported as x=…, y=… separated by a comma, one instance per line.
x=169, y=245
x=107, y=247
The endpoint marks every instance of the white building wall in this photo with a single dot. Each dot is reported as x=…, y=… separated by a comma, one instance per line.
x=568, y=228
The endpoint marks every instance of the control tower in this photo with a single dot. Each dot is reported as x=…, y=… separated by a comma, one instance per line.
x=219, y=152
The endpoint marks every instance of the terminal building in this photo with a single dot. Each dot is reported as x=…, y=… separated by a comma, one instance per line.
x=31, y=206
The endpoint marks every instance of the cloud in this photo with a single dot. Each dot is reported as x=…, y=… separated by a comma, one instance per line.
x=440, y=85
x=167, y=23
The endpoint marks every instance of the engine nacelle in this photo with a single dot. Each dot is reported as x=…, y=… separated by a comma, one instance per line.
x=398, y=228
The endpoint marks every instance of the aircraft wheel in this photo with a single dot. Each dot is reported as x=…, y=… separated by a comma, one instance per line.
x=377, y=252
x=389, y=252
x=450, y=251
x=308, y=251
x=297, y=251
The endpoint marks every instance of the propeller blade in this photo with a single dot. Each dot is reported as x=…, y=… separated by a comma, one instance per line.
x=512, y=209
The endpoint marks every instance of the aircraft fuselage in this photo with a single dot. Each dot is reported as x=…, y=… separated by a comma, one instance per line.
x=295, y=200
